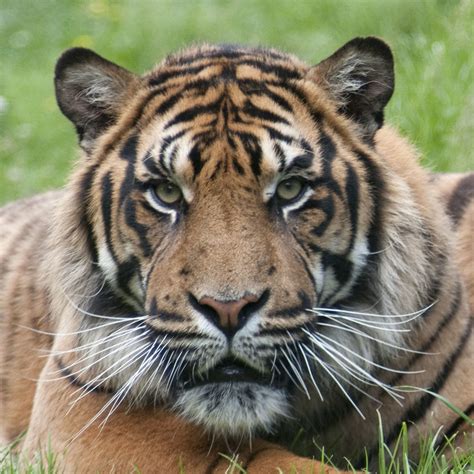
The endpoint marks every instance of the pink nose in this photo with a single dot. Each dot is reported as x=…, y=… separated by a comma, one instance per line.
x=228, y=311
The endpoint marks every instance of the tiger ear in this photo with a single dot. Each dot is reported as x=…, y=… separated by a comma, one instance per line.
x=359, y=77
x=90, y=91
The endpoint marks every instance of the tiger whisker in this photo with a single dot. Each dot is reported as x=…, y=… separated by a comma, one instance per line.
x=162, y=345
x=101, y=316
x=79, y=372
x=359, y=313
x=346, y=327
x=296, y=383
x=120, y=347
x=348, y=381
x=98, y=414
x=296, y=371
x=329, y=372
x=73, y=333
x=337, y=356
x=366, y=324
x=97, y=380
x=104, y=281
x=148, y=360
x=383, y=367
x=374, y=324
x=176, y=364
x=310, y=372
x=109, y=337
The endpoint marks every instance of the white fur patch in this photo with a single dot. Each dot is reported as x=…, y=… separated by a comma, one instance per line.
x=233, y=409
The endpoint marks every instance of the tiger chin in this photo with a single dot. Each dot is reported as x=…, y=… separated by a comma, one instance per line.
x=244, y=255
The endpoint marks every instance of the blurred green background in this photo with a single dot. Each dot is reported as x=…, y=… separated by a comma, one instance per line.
x=432, y=41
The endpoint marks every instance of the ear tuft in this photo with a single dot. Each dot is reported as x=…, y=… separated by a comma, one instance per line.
x=360, y=79
x=90, y=91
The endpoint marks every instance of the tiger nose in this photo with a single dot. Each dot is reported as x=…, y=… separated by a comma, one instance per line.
x=227, y=314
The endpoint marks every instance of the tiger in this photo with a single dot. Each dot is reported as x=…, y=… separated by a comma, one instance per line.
x=244, y=254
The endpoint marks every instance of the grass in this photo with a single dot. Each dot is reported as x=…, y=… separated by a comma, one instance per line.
x=433, y=104
x=444, y=459
x=432, y=40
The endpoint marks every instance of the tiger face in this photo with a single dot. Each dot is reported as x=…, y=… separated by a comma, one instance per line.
x=224, y=196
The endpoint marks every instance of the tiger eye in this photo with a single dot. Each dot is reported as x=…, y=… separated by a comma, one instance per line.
x=168, y=192
x=289, y=189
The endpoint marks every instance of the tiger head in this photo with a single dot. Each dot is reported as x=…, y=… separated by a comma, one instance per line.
x=228, y=204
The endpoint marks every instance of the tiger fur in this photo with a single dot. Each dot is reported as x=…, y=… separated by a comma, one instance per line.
x=175, y=331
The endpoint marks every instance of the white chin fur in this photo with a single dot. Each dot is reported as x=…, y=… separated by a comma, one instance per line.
x=233, y=409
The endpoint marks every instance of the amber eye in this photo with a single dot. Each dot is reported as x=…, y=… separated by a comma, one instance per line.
x=168, y=193
x=290, y=189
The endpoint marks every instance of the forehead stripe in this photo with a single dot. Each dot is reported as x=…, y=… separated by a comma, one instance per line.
x=193, y=112
x=128, y=153
x=252, y=147
x=253, y=111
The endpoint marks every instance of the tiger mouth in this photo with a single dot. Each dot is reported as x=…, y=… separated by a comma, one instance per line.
x=231, y=370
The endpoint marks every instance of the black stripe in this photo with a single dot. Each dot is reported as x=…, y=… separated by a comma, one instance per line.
x=176, y=335
x=376, y=186
x=252, y=147
x=128, y=125
x=262, y=114
x=460, y=198
x=76, y=382
x=280, y=71
x=151, y=165
x=227, y=51
x=237, y=166
x=453, y=429
x=326, y=205
x=196, y=161
x=341, y=266
x=259, y=89
x=437, y=332
x=352, y=200
x=106, y=208
x=125, y=271
x=278, y=99
x=155, y=313
x=82, y=206
x=140, y=229
x=254, y=455
x=193, y=112
x=302, y=162
x=277, y=135
x=165, y=144
x=161, y=77
x=328, y=150
x=419, y=408
x=213, y=465
x=129, y=154
x=289, y=312
x=302, y=259
x=168, y=103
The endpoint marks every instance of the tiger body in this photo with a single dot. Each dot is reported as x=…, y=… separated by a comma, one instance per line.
x=307, y=267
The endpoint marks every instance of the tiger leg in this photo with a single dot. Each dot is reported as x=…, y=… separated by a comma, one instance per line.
x=150, y=440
